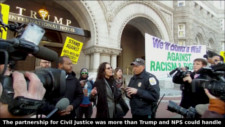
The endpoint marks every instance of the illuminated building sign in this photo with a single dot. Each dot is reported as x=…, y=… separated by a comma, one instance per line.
x=57, y=24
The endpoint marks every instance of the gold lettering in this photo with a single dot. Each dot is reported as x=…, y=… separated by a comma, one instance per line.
x=43, y=18
x=20, y=10
x=49, y=25
x=65, y=28
x=68, y=22
x=12, y=17
x=58, y=21
x=33, y=14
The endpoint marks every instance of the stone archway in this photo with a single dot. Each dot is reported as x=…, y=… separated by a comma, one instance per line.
x=133, y=41
x=143, y=19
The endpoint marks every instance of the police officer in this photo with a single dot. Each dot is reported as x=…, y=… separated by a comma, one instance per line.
x=143, y=91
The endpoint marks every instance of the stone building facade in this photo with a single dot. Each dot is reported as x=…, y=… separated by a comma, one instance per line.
x=202, y=23
x=117, y=28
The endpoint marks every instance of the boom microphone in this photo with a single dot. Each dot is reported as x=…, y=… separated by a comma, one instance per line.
x=46, y=54
x=61, y=105
x=19, y=48
x=38, y=51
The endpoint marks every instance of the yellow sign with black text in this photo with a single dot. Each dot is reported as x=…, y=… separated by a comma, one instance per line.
x=4, y=10
x=222, y=53
x=72, y=49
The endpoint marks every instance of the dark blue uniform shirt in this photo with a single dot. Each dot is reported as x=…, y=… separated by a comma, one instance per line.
x=148, y=92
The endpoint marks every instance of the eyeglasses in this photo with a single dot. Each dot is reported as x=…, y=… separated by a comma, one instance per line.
x=84, y=73
x=109, y=68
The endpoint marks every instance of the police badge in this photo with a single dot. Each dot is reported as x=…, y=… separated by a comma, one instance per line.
x=139, y=84
x=152, y=81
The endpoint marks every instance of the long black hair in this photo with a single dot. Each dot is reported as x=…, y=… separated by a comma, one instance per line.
x=101, y=70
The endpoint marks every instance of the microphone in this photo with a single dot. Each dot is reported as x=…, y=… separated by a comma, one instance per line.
x=38, y=51
x=61, y=105
x=19, y=48
x=46, y=54
x=173, y=71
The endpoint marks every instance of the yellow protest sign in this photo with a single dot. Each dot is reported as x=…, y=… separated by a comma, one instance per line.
x=222, y=53
x=4, y=10
x=72, y=49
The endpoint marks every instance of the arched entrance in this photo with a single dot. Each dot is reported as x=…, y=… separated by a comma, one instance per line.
x=56, y=25
x=133, y=41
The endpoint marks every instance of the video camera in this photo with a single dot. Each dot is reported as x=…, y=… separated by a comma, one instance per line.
x=187, y=113
x=17, y=49
x=215, y=82
x=179, y=74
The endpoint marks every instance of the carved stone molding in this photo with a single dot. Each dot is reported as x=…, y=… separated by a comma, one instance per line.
x=93, y=17
x=103, y=50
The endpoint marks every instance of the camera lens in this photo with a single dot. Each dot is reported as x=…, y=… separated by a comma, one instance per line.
x=54, y=81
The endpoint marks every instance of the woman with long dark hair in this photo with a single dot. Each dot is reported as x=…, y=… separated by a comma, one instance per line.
x=106, y=92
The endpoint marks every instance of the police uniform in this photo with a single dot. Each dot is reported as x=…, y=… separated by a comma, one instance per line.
x=147, y=86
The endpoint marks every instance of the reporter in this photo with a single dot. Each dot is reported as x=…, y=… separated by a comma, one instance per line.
x=35, y=91
x=188, y=97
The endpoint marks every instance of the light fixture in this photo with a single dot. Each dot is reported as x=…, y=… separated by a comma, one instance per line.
x=43, y=13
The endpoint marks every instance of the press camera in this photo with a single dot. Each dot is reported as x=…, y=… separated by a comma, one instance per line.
x=187, y=113
x=215, y=82
x=18, y=49
x=179, y=74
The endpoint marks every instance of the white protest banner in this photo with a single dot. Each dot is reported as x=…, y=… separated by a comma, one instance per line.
x=162, y=57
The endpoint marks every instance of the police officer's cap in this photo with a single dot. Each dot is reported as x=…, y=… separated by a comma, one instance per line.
x=138, y=61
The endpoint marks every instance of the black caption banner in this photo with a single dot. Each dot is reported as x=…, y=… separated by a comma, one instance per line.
x=112, y=122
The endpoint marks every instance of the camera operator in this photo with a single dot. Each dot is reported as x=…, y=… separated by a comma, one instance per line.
x=188, y=97
x=216, y=108
x=45, y=63
x=35, y=91
x=217, y=59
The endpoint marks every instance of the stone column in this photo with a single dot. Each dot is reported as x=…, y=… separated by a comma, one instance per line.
x=113, y=61
x=96, y=61
x=87, y=59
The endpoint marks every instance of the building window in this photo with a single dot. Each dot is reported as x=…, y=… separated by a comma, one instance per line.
x=180, y=3
x=199, y=39
x=181, y=30
x=181, y=42
x=210, y=43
